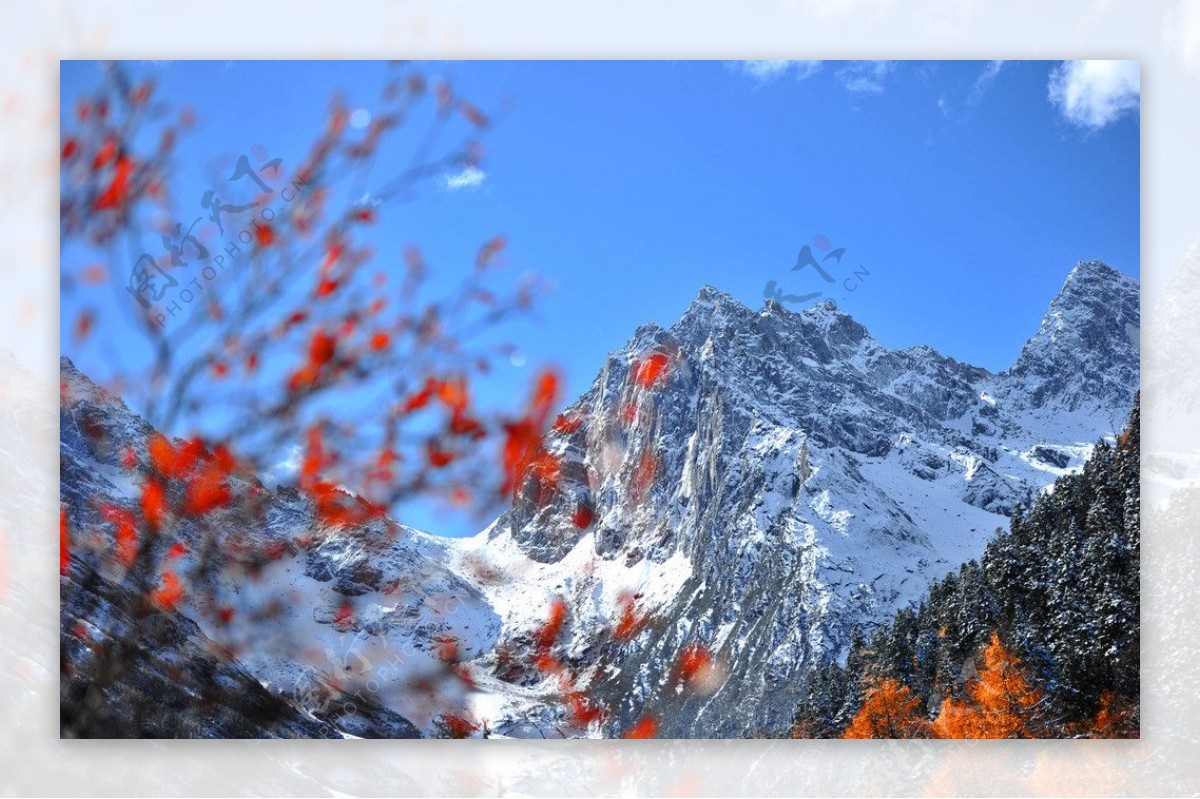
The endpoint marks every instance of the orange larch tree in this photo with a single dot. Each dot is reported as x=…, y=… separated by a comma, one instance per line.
x=1004, y=702
x=891, y=710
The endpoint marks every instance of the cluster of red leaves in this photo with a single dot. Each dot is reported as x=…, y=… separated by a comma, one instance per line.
x=458, y=727
x=523, y=452
x=106, y=167
x=334, y=506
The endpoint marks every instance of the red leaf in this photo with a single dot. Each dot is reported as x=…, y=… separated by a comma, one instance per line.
x=473, y=115
x=169, y=593
x=567, y=424
x=322, y=348
x=644, y=475
x=695, y=661
x=264, y=235
x=647, y=727
x=154, y=504
x=447, y=650
x=549, y=631
x=438, y=457
x=458, y=727
x=64, y=542
x=453, y=393
x=629, y=625
x=127, y=542
x=380, y=341
x=583, y=517
x=106, y=153
x=207, y=492
x=83, y=324
x=169, y=461
x=343, y=620
x=490, y=251
x=648, y=372
x=584, y=709
x=117, y=192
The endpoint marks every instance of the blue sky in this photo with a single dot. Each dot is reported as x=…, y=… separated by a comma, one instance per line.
x=966, y=190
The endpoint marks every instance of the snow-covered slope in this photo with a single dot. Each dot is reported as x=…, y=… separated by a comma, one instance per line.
x=747, y=484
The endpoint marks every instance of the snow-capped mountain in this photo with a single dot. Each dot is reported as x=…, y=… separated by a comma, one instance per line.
x=747, y=484
x=788, y=478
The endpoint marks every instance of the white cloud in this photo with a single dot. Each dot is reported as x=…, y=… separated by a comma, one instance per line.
x=1181, y=30
x=772, y=69
x=985, y=80
x=469, y=177
x=1091, y=94
x=865, y=77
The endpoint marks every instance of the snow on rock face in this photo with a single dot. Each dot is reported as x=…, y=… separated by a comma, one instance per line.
x=813, y=480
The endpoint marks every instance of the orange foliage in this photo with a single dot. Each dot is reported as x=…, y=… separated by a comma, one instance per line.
x=169, y=461
x=523, y=442
x=890, y=711
x=584, y=709
x=1004, y=702
x=1115, y=719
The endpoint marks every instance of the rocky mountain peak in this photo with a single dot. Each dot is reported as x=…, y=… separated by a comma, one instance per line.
x=1086, y=349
